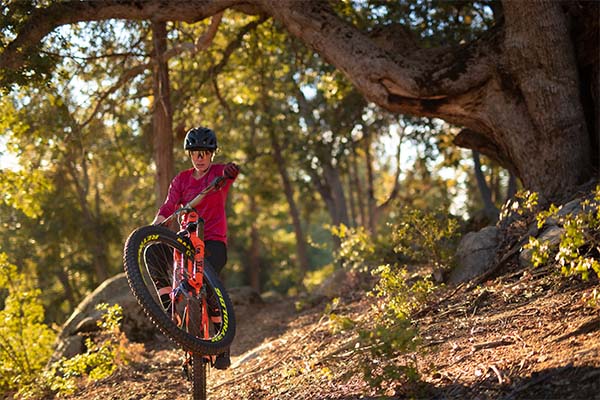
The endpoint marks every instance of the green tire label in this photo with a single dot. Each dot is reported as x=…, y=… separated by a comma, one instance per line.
x=225, y=324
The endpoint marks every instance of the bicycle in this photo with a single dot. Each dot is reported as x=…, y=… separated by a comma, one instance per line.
x=179, y=290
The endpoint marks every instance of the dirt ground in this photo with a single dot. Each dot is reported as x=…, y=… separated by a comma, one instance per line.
x=525, y=335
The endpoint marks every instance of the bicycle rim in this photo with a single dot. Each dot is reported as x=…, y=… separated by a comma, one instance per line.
x=158, y=286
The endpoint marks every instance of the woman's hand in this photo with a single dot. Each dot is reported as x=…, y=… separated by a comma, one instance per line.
x=231, y=170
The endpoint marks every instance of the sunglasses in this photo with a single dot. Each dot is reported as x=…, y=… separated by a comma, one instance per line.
x=200, y=153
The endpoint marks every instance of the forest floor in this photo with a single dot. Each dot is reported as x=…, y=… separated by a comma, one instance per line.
x=528, y=334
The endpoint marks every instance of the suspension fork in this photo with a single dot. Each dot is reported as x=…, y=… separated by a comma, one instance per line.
x=197, y=238
x=191, y=275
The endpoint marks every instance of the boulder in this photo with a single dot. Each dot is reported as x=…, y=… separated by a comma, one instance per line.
x=83, y=320
x=475, y=254
x=338, y=284
x=551, y=235
x=244, y=295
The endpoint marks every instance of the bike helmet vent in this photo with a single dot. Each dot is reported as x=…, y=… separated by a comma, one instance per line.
x=200, y=138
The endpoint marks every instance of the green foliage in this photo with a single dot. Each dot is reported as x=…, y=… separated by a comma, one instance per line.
x=102, y=357
x=357, y=249
x=385, y=344
x=429, y=237
x=578, y=251
x=524, y=202
x=387, y=337
x=399, y=297
x=422, y=237
x=20, y=190
x=25, y=341
x=393, y=336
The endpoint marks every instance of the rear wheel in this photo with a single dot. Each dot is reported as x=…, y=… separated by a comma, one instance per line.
x=199, y=365
x=165, y=295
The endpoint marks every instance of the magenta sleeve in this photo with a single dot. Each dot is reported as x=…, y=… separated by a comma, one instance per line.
x=173, y=198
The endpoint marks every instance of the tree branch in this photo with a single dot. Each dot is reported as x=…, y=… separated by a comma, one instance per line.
x=475, y=141
x=201, y=44
x=45, y=20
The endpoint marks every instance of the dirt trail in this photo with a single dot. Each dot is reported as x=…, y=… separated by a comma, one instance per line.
x=523, y=337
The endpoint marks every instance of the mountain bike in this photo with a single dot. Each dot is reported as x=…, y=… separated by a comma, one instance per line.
x=179, y=290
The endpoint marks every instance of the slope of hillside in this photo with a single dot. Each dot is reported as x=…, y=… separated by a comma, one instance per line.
x=524, y=336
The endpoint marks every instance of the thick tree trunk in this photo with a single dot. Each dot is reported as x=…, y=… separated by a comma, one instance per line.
x=162, y=118
x=541, y=60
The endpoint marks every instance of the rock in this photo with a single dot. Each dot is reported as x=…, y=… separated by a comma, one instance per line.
x=272, y=297
x=115, y=290
x=244, y=295
x=475, y=254
x=551, y=235
x=338, y=284
x=69, y=347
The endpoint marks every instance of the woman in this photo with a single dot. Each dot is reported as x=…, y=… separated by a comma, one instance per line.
x=201, y=145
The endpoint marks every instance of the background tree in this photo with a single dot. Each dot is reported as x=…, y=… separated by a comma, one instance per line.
x=529, y=119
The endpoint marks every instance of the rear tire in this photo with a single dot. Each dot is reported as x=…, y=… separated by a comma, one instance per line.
x=199, y=365
x=148, y=264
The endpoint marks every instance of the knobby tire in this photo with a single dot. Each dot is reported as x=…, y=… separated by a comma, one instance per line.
x=148, y=264
x=199, y=365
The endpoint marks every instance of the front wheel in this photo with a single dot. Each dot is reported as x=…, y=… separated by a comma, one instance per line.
x=149, y=265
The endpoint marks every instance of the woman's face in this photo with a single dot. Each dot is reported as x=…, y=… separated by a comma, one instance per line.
x=201, y=159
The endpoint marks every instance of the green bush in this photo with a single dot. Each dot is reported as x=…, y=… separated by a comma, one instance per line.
x=578, y=251
x=388, y=337
x=25, y=341
x=102, y=357
x=357, y=248
x=429, y=237
x=392, y=333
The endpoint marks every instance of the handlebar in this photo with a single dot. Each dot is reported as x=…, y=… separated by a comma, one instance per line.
x=196, y=200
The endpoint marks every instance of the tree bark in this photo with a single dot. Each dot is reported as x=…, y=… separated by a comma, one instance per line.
x=371, y=205
x=254, y=269
x=358, y=188
x=489, y=208
x=351, y=198
x=162, y=117
x=301, y=250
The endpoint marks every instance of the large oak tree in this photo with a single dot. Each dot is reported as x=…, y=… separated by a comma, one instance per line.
x=525, y=92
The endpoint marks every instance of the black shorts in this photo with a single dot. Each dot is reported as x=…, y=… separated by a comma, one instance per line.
x=216, y=254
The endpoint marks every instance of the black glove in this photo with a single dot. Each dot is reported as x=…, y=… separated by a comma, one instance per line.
x=231, y=170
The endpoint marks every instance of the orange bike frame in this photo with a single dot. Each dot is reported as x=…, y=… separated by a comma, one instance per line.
x=193, y=272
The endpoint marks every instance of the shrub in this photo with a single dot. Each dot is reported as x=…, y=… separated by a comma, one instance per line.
x=429, y=237
x=357, y=248
x=102, y=357
x=25, y=341
x=579, y=248
x=388, y=337
x=393, y=335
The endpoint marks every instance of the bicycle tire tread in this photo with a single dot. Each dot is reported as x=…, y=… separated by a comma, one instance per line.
x=151, y=308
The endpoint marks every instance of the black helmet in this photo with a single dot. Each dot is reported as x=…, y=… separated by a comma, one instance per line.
x=200, y=138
